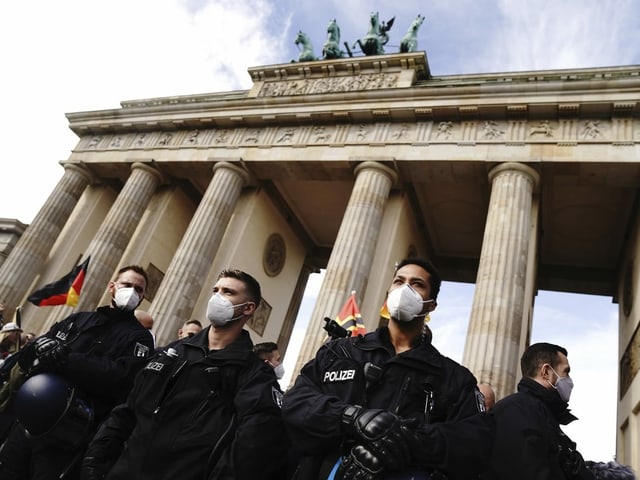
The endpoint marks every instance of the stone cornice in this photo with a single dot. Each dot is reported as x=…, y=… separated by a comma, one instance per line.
x=571, y=79
x=349, y=66
x=386, y=86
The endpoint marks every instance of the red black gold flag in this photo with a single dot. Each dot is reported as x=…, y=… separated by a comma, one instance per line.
x=349, y=317
x=65, y=291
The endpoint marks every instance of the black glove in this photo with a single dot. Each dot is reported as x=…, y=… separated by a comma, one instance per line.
x=360, y=464
x=49, y=352
x=384, y=434
x=572, y=464
x=92, y=469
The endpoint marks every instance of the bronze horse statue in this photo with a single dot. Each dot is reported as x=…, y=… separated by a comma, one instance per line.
x=376, y=38
x=306, y=55
x=331, y=48
x=409, y=42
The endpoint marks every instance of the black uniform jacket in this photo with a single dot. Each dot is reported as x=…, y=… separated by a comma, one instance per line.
x=418, y=384
x=107, y=348
x=528, y=434
x=197, y=414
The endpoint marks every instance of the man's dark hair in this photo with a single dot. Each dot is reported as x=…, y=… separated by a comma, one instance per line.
x=434, y=277
x=134, y=268
x=537, y=355
x=194, y=322
x=251, y=284
x=265, y=349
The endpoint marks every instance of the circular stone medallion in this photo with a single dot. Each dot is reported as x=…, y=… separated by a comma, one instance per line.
x=274, y=255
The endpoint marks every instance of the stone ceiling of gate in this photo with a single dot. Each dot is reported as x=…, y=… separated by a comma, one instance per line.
x=300, y=138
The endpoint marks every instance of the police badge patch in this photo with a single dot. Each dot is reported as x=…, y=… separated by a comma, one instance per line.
x=141, y=351
x=154, y=366
x=339, y=376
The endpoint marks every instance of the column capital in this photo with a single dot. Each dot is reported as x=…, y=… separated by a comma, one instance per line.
x=81, y=169
x=371, y=165
x=149, y=169
x=533, y=175
x=238, y=170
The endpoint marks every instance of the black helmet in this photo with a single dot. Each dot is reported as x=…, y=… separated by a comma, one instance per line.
x=49, y=407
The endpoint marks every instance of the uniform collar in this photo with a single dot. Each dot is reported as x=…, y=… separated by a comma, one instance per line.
x=424, y=353
x=558, y=407
x=239, y=348
x=116, y=313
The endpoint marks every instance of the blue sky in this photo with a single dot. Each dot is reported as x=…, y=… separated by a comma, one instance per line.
x=78, y=55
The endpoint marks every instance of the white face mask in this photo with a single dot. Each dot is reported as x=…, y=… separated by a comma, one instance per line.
x=220, y=310
x=126, y=299
x=564, y=386
x=405, y=304
x=279, y=371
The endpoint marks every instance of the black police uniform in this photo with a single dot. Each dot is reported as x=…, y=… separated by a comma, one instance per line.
x=529, y=441
x=419, y=384
x=104, y=351
x=195, y=414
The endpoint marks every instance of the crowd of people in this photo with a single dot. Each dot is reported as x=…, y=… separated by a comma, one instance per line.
x=94, y=398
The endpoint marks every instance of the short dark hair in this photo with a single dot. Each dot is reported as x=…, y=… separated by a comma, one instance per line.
x=537, y=355
x=194, y=322
x=265, y=349
x=434, y=277
x=251, y=284
x=134, y=268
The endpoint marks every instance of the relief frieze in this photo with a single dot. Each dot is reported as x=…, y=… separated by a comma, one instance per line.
x=492, y=131
x=320, y=134
x=542, y=128
x=564, y=132
x=310, y=86
x=590, y=130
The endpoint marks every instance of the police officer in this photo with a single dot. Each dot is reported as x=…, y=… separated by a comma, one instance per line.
x=205, y=407
x=365, y=407
x=97, y=354
x=269, y=353
x=529, y=441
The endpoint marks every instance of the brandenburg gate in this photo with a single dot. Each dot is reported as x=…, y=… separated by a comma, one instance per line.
x=516, y=182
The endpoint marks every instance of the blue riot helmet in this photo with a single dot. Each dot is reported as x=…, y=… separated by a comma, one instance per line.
x=51, y=409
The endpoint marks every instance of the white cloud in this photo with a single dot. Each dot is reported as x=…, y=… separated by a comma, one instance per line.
x=96, y=54
x=450, y=320
x=546, y=34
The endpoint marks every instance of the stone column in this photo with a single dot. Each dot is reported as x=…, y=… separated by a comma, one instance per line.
x=111, y=240
x=350, y=262
x=190, y=265
x=32, y=249
x=498, y=315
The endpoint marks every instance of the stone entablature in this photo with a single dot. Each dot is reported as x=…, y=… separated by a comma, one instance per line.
x=623, y=131
x=604, y=109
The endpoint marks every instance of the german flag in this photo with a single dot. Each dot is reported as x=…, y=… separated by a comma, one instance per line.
x=349, y=317
x=65, y=291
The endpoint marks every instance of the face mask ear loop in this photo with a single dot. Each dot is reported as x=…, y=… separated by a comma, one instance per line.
x=557, y=377
x=424, y=315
